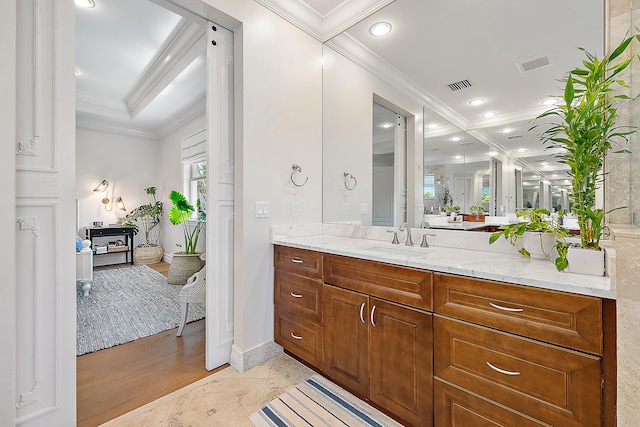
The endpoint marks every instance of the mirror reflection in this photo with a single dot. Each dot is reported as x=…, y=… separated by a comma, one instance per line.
x=484, y=156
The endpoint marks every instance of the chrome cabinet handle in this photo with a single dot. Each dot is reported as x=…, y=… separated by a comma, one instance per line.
x=373, y=310
x=502, y=371
x=296, y=295
x=297, y=260
x=361, y=313
x=294, y=336
x=499, y=307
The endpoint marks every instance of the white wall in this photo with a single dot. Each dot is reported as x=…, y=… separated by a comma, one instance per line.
x=129, y=163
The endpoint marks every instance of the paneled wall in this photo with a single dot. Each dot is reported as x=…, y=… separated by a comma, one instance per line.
x=45, y=215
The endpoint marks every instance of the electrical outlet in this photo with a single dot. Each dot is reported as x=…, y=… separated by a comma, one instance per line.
x=364, y=209
x=295, y=208
x=345, y=208
x=262, y=209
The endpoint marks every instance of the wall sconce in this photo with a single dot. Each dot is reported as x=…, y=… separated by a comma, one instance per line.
x=103, y=186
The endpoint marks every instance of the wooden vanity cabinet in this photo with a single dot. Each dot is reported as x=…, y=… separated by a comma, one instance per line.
x=298, y=303
x=379, y=348
x=507, y=353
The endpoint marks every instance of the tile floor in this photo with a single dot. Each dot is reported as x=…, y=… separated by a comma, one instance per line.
x=225, y=398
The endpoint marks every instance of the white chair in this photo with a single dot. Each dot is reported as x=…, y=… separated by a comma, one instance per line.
x=192, y=292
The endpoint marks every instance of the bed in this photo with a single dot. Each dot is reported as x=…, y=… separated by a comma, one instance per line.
x=84, y=264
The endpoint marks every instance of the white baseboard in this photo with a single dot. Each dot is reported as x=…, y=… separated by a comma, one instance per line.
x=167, y=257
x=243, y=361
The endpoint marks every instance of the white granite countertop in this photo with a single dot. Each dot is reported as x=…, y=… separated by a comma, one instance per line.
x=464, y=253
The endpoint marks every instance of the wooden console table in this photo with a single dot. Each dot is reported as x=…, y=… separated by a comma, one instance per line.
x=127, y=232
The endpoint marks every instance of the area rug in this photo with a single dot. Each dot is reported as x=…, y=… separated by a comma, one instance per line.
x=127, y=304
x=319, y=402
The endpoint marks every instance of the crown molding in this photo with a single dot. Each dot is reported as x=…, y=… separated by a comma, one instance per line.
x=323, y=28
x=184, y=45
x=84, y=121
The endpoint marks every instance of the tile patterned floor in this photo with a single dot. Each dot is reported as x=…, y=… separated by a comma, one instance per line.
x=225, y=398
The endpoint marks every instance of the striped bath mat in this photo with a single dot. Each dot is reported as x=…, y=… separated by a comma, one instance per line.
x=319, y=402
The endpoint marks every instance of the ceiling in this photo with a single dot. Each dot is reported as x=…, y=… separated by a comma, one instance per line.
x=125, y=84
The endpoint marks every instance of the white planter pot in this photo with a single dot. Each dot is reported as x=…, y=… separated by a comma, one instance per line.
x=586, y=261
x=539, y=245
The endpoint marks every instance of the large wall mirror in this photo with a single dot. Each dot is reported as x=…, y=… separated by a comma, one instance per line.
x=433, y=63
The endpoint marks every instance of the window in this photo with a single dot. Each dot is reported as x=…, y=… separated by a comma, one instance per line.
x=195, y=184
x=429, y=186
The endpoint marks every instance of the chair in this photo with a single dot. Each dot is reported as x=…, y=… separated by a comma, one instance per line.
x=192, y=292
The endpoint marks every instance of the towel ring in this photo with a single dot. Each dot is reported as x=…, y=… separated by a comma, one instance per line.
x=347, y=175
x=297, y=168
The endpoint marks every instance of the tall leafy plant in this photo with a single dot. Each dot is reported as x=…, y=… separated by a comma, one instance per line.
x=148, y=215
x=180, y=213
x=587, y=129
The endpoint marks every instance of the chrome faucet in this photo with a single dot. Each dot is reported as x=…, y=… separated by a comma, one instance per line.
x=404, y=225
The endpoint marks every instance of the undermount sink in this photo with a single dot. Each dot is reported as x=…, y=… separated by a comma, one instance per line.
x=403, y=251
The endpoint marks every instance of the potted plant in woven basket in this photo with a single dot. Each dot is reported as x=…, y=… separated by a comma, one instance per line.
x=585, y=130
x=146, y=218
x=186, y=262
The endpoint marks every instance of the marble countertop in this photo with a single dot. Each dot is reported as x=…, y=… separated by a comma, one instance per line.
x=465, y=226
x=503, y=264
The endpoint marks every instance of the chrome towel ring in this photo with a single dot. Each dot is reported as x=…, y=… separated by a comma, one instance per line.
x=348, y=177
x=297, y=168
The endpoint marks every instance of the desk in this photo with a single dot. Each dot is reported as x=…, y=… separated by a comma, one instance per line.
x=112, y=231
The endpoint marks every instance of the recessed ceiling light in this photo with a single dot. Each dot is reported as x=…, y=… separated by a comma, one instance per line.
x=380, y=29
x=386, y=125
x=493, y=153
x=536, y=176
x=488, y=114
x=521, y=150
x=475, y=102
x=85, y=3
x=506, y=130
x=167, y=58
x=432, y=125
x=458, y=157
x=456, y=138
x=77, y=72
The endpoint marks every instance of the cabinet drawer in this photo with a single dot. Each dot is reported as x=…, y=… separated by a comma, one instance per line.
x=298, y=295
x=454, y=407
x=300, y=261
x=403, y=285
x=568, y=320
x=548, y=383
x=302, y=338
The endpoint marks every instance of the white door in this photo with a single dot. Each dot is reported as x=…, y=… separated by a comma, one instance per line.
x=220, y=202
x=40, y=327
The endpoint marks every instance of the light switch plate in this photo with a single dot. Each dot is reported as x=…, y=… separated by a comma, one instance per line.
x=364, y=209
x=262, y=209
x=295, y=208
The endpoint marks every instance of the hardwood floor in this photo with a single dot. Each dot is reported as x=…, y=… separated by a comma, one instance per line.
x=116, y=380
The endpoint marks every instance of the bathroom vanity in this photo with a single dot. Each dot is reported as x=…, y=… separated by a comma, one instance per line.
x=424, y=338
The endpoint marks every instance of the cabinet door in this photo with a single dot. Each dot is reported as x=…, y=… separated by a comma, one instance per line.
x=400, y=358
x=346, y=342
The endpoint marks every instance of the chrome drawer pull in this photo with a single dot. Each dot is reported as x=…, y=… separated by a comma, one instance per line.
x=361, y=313
x=295, y=337
x=296, y=295
x=297, y=260
x=502, y=371
x=373, y=310
x=499, y=307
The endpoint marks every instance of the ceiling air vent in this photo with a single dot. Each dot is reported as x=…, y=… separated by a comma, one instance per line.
x=534, y=63
x=514, y=137
x=462, y=84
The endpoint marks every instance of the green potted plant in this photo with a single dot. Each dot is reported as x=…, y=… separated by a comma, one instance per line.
x=476, y=211
x=186, y=262
x=586, y=129
x=536, y=236
x=148, y=218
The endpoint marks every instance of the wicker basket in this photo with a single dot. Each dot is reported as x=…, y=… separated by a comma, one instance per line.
x=147, y=254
